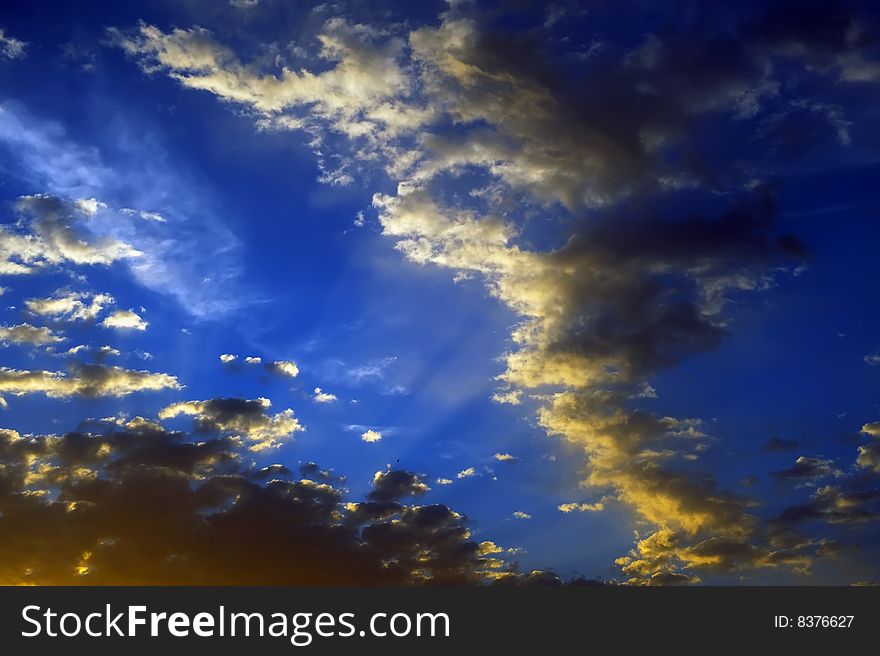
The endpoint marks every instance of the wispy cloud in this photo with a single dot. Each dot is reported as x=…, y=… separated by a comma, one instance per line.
x=10, y=47
x=195, y=258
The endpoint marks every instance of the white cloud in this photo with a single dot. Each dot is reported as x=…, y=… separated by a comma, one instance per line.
x=89, y=206
x=510, y=397
x=153, y=216
x=466, y=473
x=25, y=333
x=371, y=435
x=519, y=514
x=284, y=367
x=252, y=359
x=124, y=320
x=371, y=371
x=84, y=380
x=69, y=305
x=581, y=507
x=323, y=397
x=143, y=214
x=51, y=235
x=359, y=94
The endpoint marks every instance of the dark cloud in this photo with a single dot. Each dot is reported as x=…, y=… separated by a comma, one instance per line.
x=247, y=418
x=395, y=484
x=672, y=578
x=807, y=469
x=835, y=505
x=271, y=471
x=141, y=505
x=638, y=295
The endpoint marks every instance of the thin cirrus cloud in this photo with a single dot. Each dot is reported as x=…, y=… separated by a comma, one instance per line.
x=162, y=255
x=10, y=47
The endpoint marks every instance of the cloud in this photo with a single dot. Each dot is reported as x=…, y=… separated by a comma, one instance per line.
x=205, y=515
x=468, y=472
x=252, y=359
x=323, y=397
x=869, y=457
x=581, y=507
x=650, y=559
x=226, y=358
x=808, y=469
x=70, y=305
x=873, y=359
x=88, y=380
x=89, y=206
x=505, y=457
x=829, y=37
x=519, y=514
x=198, y=263
x=853, y=501
x=872, y=429
x=395, y=484
x=283, y=368
x=244, y=418
x=372, y=371
x=371, y=436
x=512, y=397
x=359, y=95
x=25, y=333
x=10, y=47
x=125, y=320
x=146, y=216
x=869, y=454
x=50, y=237
x=836, y=505
x=619, y=296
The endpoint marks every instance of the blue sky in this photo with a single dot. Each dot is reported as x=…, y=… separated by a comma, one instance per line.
x=657, y=239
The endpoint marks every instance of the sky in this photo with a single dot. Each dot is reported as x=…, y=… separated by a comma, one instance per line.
x=444, y=292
